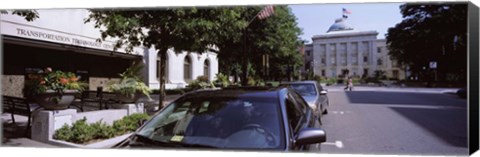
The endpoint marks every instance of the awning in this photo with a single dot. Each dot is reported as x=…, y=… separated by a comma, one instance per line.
x=69, y=48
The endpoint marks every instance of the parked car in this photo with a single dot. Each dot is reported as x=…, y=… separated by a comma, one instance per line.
x=313, y=93
x=462, y=92
x=233, y=118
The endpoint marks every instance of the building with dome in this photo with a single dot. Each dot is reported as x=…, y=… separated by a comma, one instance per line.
x=345, y=52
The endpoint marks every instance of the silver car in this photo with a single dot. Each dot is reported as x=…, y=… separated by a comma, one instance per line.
x=313, y=94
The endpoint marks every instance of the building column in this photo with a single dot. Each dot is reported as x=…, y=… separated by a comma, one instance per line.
x=360, y=57
x=327, y=60
x=373, y=56
x=337, y=60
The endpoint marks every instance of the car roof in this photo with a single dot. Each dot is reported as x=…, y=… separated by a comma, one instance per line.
x=259, y=92
x=300, y=82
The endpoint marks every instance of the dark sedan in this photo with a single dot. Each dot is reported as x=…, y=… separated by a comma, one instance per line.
x=240, y=118
x=313, y=93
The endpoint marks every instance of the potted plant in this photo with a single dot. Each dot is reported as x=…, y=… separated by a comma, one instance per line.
x=131, y=87
x=52, y=90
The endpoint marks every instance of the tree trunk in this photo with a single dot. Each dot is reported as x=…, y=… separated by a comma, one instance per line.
x=244, y=76
x=163, y=57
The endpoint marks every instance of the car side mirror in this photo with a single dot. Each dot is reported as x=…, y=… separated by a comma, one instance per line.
x=311, y=136
x=323, y=92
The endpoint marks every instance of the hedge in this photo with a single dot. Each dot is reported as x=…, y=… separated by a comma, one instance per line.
x=81, y=132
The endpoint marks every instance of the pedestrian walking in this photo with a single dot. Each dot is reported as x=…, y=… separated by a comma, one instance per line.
x=349, y=85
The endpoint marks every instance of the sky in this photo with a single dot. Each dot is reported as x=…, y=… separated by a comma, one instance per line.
x=315, y=19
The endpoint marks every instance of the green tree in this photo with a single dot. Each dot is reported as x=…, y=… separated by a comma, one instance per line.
x=431, y=32
x=275, y=36
x=30, y=15
x=183, y=29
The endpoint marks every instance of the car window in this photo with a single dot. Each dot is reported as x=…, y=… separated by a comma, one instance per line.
x=300, y=102
x=320, y=88
x=294, y=113
x=305, y=89
x=219, y=122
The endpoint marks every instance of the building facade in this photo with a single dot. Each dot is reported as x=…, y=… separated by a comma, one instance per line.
x=60, y=39
x=345, y=52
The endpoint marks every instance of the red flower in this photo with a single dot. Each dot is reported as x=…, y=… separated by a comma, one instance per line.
x=63, y=80
x=73, y=79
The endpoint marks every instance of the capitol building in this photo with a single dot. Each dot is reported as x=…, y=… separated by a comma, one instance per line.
x=344, y=51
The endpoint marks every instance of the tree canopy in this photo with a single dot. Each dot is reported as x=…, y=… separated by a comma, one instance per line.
x=238, y=42
x=181, y=29
x=431, y=32
x=29, y=15
x=275, y=36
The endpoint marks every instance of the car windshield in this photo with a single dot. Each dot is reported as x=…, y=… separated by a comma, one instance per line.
x=231, y=123
x=304, y=89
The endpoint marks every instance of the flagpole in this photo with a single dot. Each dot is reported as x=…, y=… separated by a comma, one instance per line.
x=245, y=47
x=248, y=24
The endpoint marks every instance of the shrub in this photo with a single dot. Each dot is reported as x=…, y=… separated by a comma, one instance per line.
x=64, y=133
x=222, y=80
x=82, y=132
x=102, y=130
x=201, y=82
x=128, y=123
x=131, y=83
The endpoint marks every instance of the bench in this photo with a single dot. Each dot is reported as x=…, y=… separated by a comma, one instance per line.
x=19, y=106
x=103, y=99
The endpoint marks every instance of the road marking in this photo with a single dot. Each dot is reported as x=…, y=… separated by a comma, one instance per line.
x=340, y=112
x=337, y=144
x=414, y=106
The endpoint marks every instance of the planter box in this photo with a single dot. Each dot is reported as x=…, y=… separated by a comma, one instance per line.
x=46, y=100
x=108, y=143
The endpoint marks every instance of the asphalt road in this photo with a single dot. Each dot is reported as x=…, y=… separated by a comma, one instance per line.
x=383, y=121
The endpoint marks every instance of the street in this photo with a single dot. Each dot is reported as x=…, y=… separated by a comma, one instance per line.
x=379, y=120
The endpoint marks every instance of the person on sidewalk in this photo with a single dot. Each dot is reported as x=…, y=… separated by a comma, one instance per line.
x=349, y=85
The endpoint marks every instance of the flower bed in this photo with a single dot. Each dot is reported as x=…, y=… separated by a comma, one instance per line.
x=83, y=133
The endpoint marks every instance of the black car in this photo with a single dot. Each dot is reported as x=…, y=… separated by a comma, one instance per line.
x=462, y=92
x=314, y=95
x=240, y=118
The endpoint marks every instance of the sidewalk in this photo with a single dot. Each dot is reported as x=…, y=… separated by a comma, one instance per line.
x=14, y=134
x=396, y=89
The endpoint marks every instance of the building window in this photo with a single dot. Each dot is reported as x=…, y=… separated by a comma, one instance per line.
x=333, y=60
x=365, y=72
x=323, y=72
x=206, y=66
x=332, y=47
x=187, y=69
x=379, y=49
x=365, y=59
x=379, y=61
x=308, y=53
x=355, y=47
x=322, y=60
